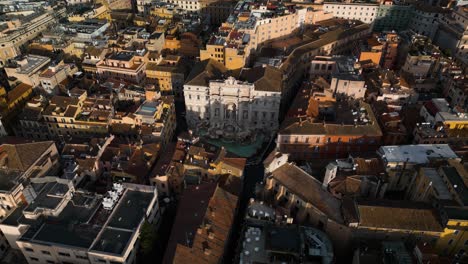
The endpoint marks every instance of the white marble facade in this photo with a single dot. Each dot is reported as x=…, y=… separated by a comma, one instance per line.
x=231, y=107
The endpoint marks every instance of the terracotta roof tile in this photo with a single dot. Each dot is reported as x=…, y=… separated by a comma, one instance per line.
x=308, y=189
x=403, y=215
x=22, y=156
x=211, y=238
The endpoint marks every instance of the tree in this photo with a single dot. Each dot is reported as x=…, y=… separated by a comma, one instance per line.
x=147, y=238
x=447, y=52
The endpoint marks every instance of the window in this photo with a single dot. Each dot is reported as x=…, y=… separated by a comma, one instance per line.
x=450, y=242
x=29, y=249
x=50, y=262
x=64, y=254
x=456, y=232
x=45, y=252
x=34, y=259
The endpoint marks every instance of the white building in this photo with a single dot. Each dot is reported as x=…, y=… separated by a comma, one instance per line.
x=322, y=66
x=27, y=69
x=422, y=58
x=425, y=20
x=3, y=132
x=187, y=5
x=432, y=108
x=357, y=11
x=88, y=29
x=77, y=2
x=346, y=79
x=81, y=227
x=54, y=75
x=452, y=33
x=438, y=110
x=410, y=155
x=233, y=106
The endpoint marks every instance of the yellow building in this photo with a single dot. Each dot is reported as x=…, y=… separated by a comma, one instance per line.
x=13, y=101
x=213, y=51
x=231, y=51
x=165, y=25
x=77, y=115
x=185, y=44
x=140, y=21
x=454, y=239
x=231, y=56
x=232, y=166
x=99, y=12
x=167, y=76
x=453, y=122
x=171, y=43
x=165, y=124
x=247, y=32
x=163, y=12
x=16, y=97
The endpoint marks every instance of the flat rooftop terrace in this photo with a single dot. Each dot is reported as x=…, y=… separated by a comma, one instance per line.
x=32, y=63
x=113, y=240
x=49, y=197
x=84, y=223
x=129, y=211
x=122, y=56
x=67, y=234
x=418, y=154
